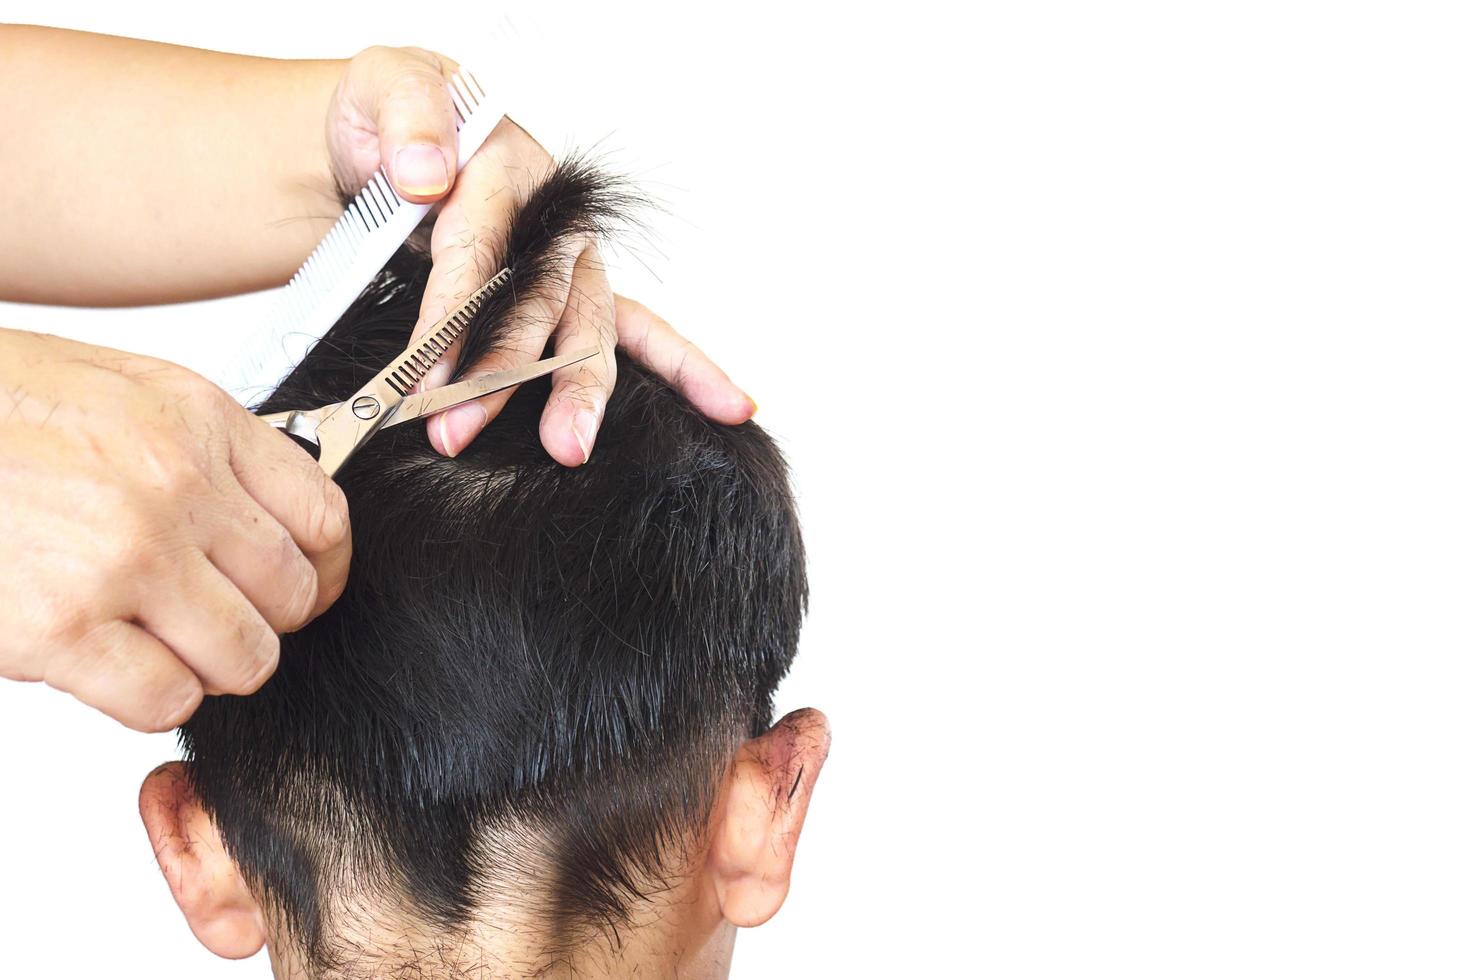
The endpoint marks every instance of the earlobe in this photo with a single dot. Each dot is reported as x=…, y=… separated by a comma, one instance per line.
x=221, y=912
x=760, y=815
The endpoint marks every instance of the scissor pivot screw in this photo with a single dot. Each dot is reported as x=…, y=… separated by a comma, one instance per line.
x=366, y=407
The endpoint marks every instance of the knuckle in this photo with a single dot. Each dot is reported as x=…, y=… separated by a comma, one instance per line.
x=321, y=521
x=413, y=82
x=67, y=627
x=634, y=310
x=202, y=395
x=331, y=522
x=656, y=322
x=261, y=649
x=330, y=590
x=172, y=711
x=302, y=597
x=166, y=469
x=134, y=544
x=81, y=648
x=431, y=60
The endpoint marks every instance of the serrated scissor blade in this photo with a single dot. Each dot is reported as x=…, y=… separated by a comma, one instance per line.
x=371, y=406
x=429, y=402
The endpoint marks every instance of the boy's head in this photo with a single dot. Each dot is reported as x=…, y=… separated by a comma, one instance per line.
x=534, y=734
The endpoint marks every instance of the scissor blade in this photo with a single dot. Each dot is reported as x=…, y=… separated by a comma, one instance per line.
x=429, y=402
x=355, y=420
x=403, y=373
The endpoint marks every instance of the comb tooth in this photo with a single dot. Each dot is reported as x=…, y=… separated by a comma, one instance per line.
x=356, y=224
x=375, y=190
x=460, y=105
x=359, y=209
x=298, y=303
x=339, y=253
x=467, y=90
x=289, y=301
x=389, y=199
x=386, y=197
x=472, y=94
x=479, y=89
x=384, y=192
x=372, y=207
x=342, y=241
x=329, y=253
x=366, y=210
x=371, y=200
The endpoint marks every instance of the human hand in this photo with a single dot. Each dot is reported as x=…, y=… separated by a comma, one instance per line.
x=158, y=536
x=392, y=109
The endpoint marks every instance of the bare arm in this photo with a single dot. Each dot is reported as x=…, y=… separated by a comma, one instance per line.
x=138, y=172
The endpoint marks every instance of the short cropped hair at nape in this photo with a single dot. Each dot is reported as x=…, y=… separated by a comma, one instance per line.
x=537, y=675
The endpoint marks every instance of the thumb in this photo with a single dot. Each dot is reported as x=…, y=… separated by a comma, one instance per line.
x=405, y=92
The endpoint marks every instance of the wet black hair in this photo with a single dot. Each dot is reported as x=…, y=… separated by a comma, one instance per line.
x=537, y=676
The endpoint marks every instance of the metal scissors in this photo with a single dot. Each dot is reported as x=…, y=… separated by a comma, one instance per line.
x=340, y=428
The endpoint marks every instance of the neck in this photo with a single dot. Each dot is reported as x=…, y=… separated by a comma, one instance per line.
x=683, y=935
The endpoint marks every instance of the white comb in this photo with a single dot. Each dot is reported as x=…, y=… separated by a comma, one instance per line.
x=371, y=229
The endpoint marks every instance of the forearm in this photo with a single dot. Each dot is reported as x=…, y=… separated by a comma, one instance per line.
x=138, y=172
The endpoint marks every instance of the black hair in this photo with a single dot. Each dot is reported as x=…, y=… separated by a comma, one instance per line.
x=535, y=671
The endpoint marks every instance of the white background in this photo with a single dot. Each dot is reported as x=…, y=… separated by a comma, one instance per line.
x=1120, y=352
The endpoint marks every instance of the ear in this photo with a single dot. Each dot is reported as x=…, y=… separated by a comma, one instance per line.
x=758, y=819
x=219, y=908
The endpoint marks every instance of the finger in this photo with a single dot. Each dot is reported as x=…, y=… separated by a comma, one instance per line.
x=211, y=627
x=406, y=95
x=523, y=340
x=468, y=241
x=650, y=340
x=579, y=392
x=290, y=486
x=260, y=557
x=123, y=671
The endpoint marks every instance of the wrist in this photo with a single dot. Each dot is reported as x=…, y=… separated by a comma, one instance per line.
x=304, y=92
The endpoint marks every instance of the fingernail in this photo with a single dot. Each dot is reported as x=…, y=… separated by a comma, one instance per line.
x=460, y=425
x=419, y=169
x=584, y=427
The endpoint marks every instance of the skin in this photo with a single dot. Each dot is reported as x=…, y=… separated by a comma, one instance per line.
x=157, y=537
x=739, y=878
x=153, y=173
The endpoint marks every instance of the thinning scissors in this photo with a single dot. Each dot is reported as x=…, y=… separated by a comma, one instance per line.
x=388, y=399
